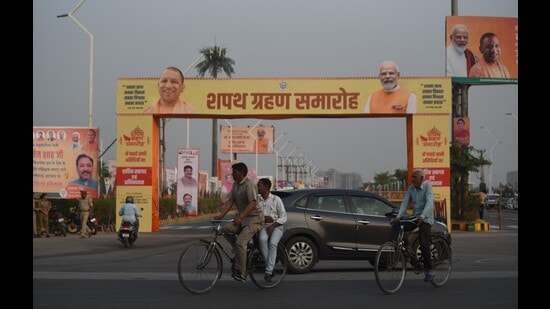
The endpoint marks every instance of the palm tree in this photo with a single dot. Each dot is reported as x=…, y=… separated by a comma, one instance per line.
x=215, y=62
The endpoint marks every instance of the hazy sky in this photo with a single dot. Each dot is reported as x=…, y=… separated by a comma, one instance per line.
x=285, y=38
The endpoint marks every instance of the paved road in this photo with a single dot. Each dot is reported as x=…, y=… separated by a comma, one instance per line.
x=70, y=272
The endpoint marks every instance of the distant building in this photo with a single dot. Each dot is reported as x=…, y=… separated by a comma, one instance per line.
x=512, y=179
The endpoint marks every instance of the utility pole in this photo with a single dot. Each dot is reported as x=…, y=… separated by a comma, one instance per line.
x=482, y=184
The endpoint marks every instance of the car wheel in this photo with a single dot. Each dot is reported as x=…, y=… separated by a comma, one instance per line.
x=302, y=255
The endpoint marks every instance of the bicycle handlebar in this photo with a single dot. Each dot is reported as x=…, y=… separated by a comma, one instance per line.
x=410, y=219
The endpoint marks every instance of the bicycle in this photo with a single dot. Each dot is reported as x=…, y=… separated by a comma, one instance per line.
x=391, y=262
x=200, y=265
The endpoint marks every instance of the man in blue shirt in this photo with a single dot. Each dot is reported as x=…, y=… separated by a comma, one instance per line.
x=130, y=213
x=420, y=194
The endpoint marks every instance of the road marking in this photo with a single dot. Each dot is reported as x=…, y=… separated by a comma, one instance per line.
x=368, y=275
x=185, y=227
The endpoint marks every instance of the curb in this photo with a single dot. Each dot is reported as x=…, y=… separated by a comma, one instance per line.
x=471, y=227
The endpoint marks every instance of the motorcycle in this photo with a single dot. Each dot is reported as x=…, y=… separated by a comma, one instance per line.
x=73, y=221
x=92, y=224
x=57, y=222
x=126, y=233
x=73, y=224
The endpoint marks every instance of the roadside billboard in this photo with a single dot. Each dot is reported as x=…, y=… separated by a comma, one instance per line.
x=65, y=161
x=235, y=139
x=484, y=50
x=188, y=186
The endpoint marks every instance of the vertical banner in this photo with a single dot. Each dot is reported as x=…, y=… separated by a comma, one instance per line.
x=225, y=174
x=461, y=130
x=188, y=187
x=65, y=161
x=171, y=179
x=110, y=185
x=135, y=172
x=431, y=146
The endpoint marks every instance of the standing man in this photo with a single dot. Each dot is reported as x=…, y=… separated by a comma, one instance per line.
x=392, y=98
x=483, y=198
x=86, y=205
x=420, y=194
x=170, y=87
x=459, y=58
x=35, y=210
x=249, y=218
x=44, y=207
x=271, y=233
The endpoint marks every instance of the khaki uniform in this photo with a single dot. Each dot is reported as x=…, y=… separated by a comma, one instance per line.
x=44, y=207
x=86, y=205
x=34, y=210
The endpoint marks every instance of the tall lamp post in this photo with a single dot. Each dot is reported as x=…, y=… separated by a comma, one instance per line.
x=283, y=164
x=285, y=177
x=189, y=67
x=497, y=141
x=296, y=166
x=277, y=156
x=70, y=15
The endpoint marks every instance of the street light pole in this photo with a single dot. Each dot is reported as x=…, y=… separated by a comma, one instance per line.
x=285, y=178
x=276, y=162
x=277, y=155
x=70, y=15
x=189, y=67
x=296, y=166
x=497, y=141
x=255, y=142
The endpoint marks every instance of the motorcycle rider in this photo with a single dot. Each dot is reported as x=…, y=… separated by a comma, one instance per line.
x=130, y=212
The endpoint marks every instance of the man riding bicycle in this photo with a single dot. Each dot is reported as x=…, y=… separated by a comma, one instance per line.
x=249, y=219
x=420, y=194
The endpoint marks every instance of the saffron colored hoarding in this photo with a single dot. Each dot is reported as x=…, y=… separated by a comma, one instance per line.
x=65, y=161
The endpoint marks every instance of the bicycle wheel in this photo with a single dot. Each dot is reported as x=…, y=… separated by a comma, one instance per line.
x=390, y=267
x=441, y=261
x=256, y=267
x=199, y=269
